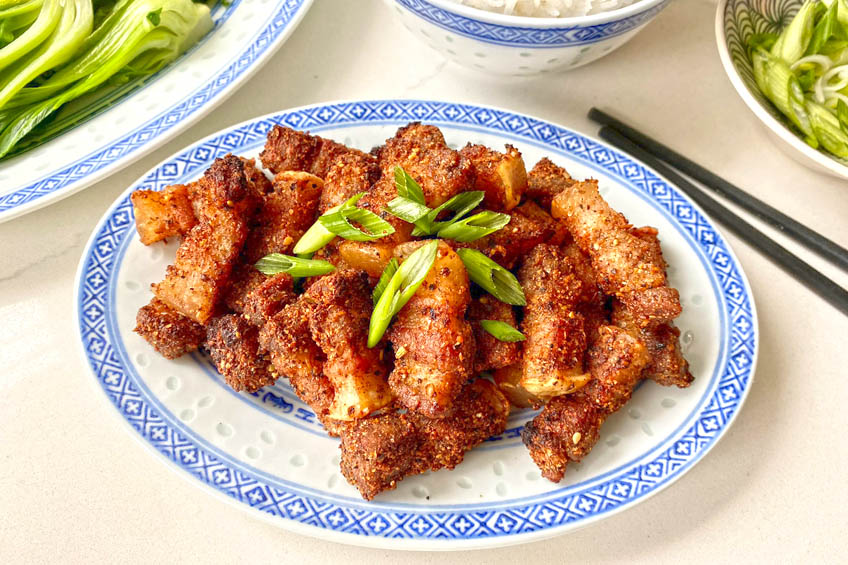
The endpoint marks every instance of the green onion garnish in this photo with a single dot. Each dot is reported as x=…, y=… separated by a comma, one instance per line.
x=460, y=204
x=475, y=227
x=407, y=209
x=407, y=187
x=502, y=330
x=400, y=288
x=842, y=116
x=316, y=237
x=388, y=272
x=295, y=266
x=494, y=279
x=339, y=222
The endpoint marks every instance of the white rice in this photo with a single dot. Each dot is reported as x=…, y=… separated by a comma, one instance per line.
x=547, y=8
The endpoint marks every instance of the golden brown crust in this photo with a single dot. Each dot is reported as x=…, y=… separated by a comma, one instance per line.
x=287, y=149
x=545, y=180
x=502, y=176
x=233, y=345
x=168, y=331
x=270, y=296
x=159, y=215
x=350, y=174
x=432, y=340
x=339, y=310
x=492, y=353
x=380, y=451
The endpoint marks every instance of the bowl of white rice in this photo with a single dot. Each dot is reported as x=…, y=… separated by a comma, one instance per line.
x=525, y=37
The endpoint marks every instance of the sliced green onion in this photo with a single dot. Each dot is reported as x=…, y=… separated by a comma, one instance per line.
x=388, y=273
x=407, y=209
x=793, y=41
x=502, y=330
x=339, y=222
x=460, y=205
x=494, y=279
x=842, y=115
x=823, y=29
x=316, y=237
x=295, y=266
x=407, y=187
x=400, y=288
x=475, y=227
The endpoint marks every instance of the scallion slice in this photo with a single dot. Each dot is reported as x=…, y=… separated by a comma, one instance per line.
x=295, y=266
x=407, y=186
x=502, y=331
x=339, y=222
x=400, y=288
x=475, y=227
x=316, y=237
x=494, y=279
x=388, y=273
x=407, y=209
x=460, y=205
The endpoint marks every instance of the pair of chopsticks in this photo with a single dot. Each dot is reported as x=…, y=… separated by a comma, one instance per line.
x=667, y=162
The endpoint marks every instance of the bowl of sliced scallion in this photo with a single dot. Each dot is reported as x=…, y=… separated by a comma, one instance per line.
x=788, y=60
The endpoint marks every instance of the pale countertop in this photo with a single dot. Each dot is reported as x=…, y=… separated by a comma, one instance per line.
x=75, y=487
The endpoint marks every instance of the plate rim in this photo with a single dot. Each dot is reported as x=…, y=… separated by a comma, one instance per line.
x=166, y=135
x=420, y=543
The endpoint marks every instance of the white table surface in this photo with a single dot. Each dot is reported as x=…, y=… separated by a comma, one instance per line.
x=75, y=487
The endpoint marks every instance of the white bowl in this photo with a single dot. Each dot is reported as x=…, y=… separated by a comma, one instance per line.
x=519, y=45
x=736, y=20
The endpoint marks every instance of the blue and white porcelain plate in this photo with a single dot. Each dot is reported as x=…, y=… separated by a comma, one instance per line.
x=265, y=453
x=246, y=34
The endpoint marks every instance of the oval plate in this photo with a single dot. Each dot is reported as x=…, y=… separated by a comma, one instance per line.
x=245, y=35
x=264, y=452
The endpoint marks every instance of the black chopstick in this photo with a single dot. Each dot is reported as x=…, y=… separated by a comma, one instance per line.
x=810, y=239
x=795, y=267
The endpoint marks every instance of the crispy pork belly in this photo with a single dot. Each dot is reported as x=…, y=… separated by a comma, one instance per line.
x=196, y=282
x=339, y=309
x=502, y=176
x=168, y=331
x=233, y=345
x=545, y=180
x=287, y=149
x=492, y=353
x=380, y=451
x=628, y=261
x=553, y=325
x=352, y=173
x=529, y=226
x=270, y=296
x=569, y=426
x=159, y=215
x=432, y=340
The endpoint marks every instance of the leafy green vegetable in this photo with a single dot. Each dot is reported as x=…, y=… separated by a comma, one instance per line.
x=502, y=331
x=339, y=222
x=295, y=266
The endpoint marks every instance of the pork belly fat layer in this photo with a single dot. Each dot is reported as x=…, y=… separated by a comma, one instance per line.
x=159, y=215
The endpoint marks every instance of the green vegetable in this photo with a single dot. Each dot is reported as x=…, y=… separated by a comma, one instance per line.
x=408, y=187
x=475, y=227
x=316, y=237
x=295, y=266
x=494, y=279
x=460, y=205
x=502, y=330
x=339, y=222
x=400, y=288
x=407, y=209
x=60, y=58
x=804, y=73
x=388, y=273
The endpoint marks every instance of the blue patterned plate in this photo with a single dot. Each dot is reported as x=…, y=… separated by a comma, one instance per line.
x=141, y=117
x=264, y=452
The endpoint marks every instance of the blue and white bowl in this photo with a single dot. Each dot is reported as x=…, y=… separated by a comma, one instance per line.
x=520, y=45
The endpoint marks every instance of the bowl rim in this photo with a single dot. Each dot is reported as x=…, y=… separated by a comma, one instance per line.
x=777, y=127
x=546, y=22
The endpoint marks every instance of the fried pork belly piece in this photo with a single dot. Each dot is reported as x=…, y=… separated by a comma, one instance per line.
x=432, y=340
x=350, y=174
x=286, y=213
x=339, y=307
x=555, y=331
x=508, y=380
x=159, y=215
x=268, y=297
x=502, y=176
x=287, y=149
x=667, y=366
x=492, y=353
x=233, y=345
x=168, y=331
x=195, y=283
x=545, y=180
x=529, y=226
x=628, y=261
x=378, y=452
x=569, y=426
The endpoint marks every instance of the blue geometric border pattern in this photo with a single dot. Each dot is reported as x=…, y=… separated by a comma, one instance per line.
x=144, y=135
x=101, y=342
x=530, y=37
